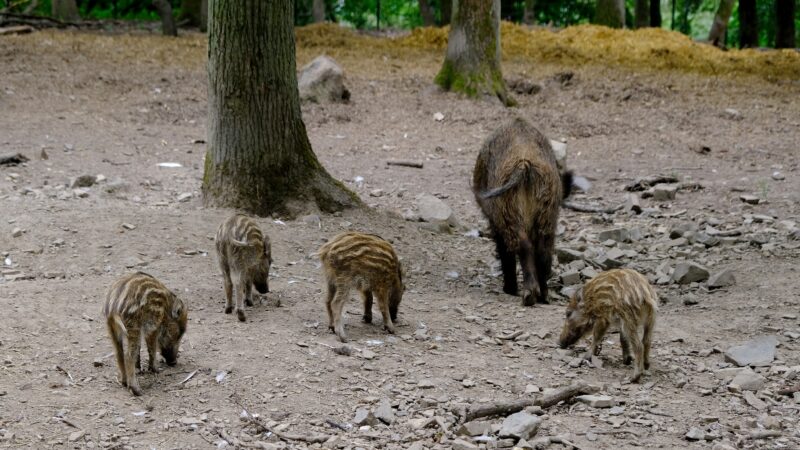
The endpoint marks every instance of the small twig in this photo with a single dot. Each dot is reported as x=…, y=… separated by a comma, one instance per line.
x=68, y=422
x=592, y=209
x=311, y=439
x=414, y=164
x=64, y=371
x=563, y=441
x=544, y=401
x=189, y=377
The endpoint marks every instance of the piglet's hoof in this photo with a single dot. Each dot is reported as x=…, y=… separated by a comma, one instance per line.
x=228, y=309
x=240, y=315
x=248, y=302
x=528, y=298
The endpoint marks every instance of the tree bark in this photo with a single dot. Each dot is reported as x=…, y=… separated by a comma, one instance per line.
x=642, y=14
x=447, y=9
x=529, y=13
x=167, y=21
x=720, y=25
x=610, y=13
x=472, y=62
x=748, y=24
x=66, y=10
x=426, y=11
x=655, y=13
x=784, y=24
x=318, y=11
x=259, y=158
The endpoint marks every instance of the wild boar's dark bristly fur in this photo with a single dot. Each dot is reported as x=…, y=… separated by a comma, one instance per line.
x=519, y=188
x=138, y=306
x=245, y=257
x=620, y=297
x=369, y=264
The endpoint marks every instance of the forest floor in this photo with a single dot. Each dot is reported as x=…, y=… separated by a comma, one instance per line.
x=120, y=105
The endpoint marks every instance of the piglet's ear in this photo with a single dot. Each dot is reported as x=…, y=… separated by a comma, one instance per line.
x=239, y=243
x=177, y=309
x=579, y=296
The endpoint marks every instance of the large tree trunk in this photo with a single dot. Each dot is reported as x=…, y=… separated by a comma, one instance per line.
x=717, y=34
x=259, y=158
x=426, y=11
x=655, y=13
x=472, y=63
x=784, y=24
x=318, y=11
x=748, y=24
x=610, y=13
x=447, y=9
x=167, y=21
x=642, y=14
x=528, y=14
x=65, y=10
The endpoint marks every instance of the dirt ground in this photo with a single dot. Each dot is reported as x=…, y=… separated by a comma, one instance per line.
x=93, y=110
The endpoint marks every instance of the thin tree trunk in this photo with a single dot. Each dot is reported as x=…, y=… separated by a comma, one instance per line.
x=203, y=15
x=720, y=25
x=167, y=21
x=426, y=12
x=748, y=24
x=529, y=13
x=447, y=9
x=610, y=13
x=472, y=63
x=318, y=11
x=784, y=23
x=191, y=12
x=655, y=13
x=259, y=158
x=642, y=14
x=66, y=10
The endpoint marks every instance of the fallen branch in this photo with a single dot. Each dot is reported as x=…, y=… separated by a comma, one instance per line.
x=642, y=184
x=766, y=434
x=592, y=209
x=316, y=438
x=16, y=29
x=39, y=22
x=414, y=164
x=11, y=159
x=188, y=377
x=563, y=441
x=544, y=401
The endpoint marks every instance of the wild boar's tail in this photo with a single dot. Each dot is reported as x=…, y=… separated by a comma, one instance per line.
x=519, y=175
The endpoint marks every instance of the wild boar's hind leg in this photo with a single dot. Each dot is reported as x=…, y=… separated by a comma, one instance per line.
x=648, y=338
x=241, y=292
x=626, y=349
x=151, y=339
x=508, y=264
x=337, y=307
x=329, y=302
x=632, y=335
x=383, y=304
x=367, y=295
x=117, y=338
x=226, y=278
x=248, y=293
x=598, y=332
x=527, y=259
x=134, y=343
x=543, y=253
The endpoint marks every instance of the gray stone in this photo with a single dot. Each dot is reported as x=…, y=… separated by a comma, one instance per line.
x=689, y=272
x=722, y=279
x=185, y=197
x=664, y=192
x=567, y=255
x=695, y=434
x=747, y=380
x=597, y=401
x=363, y=417
x=83, y=181
x=474, y=428
x=434, y=210
x=322, y=80
x=16, y=232
x=384, y=412
x=705, y=239
x=461, y=444
x=632, y=204
x=756, y=352
x=750, y=199
x=608, y=263
x=520, y=425
x=754, y=401
x=570, y=278
x=615, y=234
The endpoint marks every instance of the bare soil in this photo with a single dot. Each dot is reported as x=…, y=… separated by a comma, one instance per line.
x=73, y=97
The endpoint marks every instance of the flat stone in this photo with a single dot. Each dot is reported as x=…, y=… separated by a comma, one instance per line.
x=721, y=279
x=83, y=181
x=460, y=444
x=597, y=401
x=754, y=401
x=747, y=380
x=632, y=204
x=750, y=199
x=615, y=234
x=76, y=435
x=384, y=412
x=570, y=278
x=695, y=434
x=364, y=417
x=567, y=255
x=432, y=209
x=322, y=80
x=688, y=272
x=664, y=192
x=520, y=425
x=758, y=352
x=474, y=428
x=16, y=232
x=185, y=197
x=705, y=239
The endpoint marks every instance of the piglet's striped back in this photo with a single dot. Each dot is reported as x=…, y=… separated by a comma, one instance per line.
x=241, y=228
x=129, y=295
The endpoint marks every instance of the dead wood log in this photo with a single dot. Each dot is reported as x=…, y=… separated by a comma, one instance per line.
x=642, y=184
x=414, y=164
x=39, y=22
x=545, y=401
x=12, y=159
x=311, y=438
x=592, y=209
x=16, y=29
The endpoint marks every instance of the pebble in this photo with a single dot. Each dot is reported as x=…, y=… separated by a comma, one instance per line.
x=615, y=234
x=750, y=199
x=384, y=412
x=364, y=417
x=474, y=428
x=185, y=197
x=520, y=425
x=664, y=192
x=722, y=279
x=597, y=401
x=777, y=176
x=434, y=210
x=689, y=272
x=756, y=352
x=747, y=380
x=16, y=232
x=695, y=434
x=460, y=444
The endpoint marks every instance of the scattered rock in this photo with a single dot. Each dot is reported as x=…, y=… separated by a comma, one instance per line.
x=185, y=197
x=460, y=444
x=754, y=401
x=474, y=428
x=750, y=199
x=695, y=434
x=364, y=417
x=722, y=279
x=384, y=412
x=567, y=255
x=434, y=210
x=615, y=234
x=16, y=232
x=83, y=181
x=570, y=278
x=777, y=176
x=597, y=401
x=688, y=272
x=664, y=192
x=632, y=204
x=520, y=425
x=322, y=80
x=758, y=352
x=747, y=380
x=76, y=435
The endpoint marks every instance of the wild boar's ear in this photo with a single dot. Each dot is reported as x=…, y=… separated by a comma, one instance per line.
x=579, y=296
x=240, y=243
x=177, y=309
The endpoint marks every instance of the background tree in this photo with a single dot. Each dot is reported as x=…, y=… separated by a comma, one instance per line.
x=748, y=24
x=642, y=14
x=610, y=13
x=167, y=21
x=720, y=25
x=65, y=10
x=472, y=62
x=528, y=14
x=447, y=10
x=191, y=12
x=259, y=158
x=427, y=13
x=655, y=13
x=785, y=36
x=318, y=11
